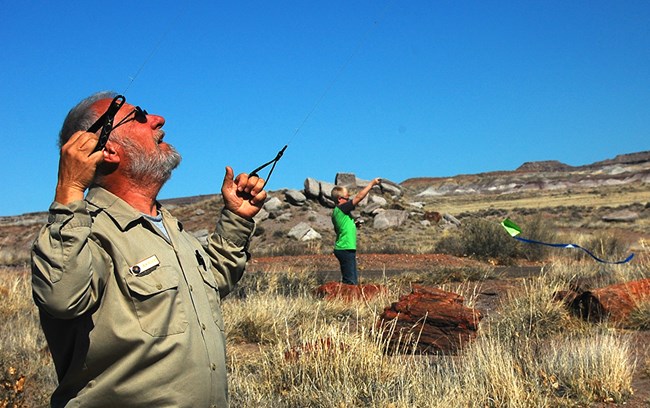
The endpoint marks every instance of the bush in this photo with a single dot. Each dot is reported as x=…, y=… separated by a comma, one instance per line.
x=604, y=245
x=485, y=239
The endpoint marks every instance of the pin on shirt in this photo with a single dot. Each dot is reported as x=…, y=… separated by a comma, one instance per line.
x=144, y=267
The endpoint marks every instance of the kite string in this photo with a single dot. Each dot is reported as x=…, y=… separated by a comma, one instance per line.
x=329, y=86
x=156, y=47
x=342, y=68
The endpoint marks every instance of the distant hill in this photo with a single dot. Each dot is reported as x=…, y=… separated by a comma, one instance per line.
x=579, y=197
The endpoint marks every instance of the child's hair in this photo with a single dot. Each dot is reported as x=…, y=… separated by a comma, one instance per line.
x=338, y=192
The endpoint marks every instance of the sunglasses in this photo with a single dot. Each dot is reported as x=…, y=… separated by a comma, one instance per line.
x=138, y=114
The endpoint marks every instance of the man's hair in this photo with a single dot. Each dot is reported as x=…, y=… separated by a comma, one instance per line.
x=81, y=117
x=338, y=192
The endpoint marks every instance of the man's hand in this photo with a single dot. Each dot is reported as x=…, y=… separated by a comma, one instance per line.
x=243, y=195
x=77, y=167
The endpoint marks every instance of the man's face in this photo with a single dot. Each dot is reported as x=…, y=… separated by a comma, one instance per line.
x=146, y=157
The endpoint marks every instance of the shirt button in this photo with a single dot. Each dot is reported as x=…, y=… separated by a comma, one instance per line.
x=159, y=286
x=203, y=326
x=191, y=288
x=213, y=366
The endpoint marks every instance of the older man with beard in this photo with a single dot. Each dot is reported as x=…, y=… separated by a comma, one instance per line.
x=129, y=301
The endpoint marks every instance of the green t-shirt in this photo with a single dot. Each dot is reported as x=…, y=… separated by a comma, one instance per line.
x=344, y=226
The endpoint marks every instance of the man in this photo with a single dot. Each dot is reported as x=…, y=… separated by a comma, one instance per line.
x=129, y=301
x=345, y=227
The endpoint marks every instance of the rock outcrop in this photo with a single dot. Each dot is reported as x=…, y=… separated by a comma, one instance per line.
x=430, y=320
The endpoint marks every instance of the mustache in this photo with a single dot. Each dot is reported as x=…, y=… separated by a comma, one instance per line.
x=158, y=137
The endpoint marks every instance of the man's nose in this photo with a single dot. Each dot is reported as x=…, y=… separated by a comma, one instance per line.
x=155, y=121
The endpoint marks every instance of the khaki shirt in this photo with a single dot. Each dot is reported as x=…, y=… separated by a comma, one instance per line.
x=133, y=319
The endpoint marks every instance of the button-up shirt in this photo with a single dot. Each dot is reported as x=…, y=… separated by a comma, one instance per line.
x=132, y=318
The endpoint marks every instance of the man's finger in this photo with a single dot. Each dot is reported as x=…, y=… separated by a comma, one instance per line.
x=228, y=177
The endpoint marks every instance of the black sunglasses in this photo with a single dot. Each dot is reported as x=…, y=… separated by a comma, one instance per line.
x=138, y=114
x=105, y=122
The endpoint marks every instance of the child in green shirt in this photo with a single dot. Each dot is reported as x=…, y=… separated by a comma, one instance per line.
x=345, y=227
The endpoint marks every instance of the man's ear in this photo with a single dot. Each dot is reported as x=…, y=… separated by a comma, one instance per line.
x=112, y=152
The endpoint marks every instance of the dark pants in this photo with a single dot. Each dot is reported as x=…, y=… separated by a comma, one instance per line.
x=348, y=260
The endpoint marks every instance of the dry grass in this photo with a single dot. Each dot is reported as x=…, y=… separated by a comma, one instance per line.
x=290, y=349
x=26, y=370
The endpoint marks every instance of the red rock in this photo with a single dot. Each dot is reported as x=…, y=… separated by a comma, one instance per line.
x=433, y=216
x=439, y=318
x=338, y=290
x=614, y=302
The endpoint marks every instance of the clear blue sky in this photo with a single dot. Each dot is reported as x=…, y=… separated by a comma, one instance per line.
x=399, y=89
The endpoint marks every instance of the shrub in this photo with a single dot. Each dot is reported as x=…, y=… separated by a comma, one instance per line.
x=604, y=245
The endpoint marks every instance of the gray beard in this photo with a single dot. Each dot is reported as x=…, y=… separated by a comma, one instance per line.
x=150, y=168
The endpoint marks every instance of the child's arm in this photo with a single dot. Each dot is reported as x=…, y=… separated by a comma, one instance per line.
x=363, y=193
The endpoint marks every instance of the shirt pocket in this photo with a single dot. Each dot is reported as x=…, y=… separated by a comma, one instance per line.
x=212, y=293
x=158, y=302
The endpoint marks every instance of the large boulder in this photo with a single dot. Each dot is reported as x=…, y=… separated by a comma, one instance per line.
x=325, y=197
x=389, y=218
x=348, y=180
x=621, y=216
x=391, y=188
x=614, y=303
x=295, y=197
x=429, y=320
x=273, y=204
x=303, y=232
x=312, y=188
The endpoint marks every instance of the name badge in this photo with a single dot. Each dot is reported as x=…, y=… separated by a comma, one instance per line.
x=144, y=267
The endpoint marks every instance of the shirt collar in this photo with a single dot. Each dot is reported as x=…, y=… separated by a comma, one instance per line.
x=118, y=209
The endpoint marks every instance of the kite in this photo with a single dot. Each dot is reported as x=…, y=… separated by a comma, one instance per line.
x=514, y=230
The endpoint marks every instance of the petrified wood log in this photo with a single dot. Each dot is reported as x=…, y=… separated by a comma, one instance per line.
x=431, y=320
x=338, y=290
x=614, y=302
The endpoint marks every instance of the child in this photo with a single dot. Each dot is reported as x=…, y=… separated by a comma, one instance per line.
x=345, y=248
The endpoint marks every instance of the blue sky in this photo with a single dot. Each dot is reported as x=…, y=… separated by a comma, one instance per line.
x=393, y=89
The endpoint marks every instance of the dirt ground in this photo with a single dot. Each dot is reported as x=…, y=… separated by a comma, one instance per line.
x=372, y=267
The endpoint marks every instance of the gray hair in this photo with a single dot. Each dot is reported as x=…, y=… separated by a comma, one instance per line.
x=81, y=117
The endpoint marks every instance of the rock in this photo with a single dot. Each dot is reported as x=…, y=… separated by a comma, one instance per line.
x=621, y=216
x=370, y=209
x=432, y=216
x=451, y=219
x=273, y=204
x=613, y=303
x=278, y=216
x=326, y=190
x=417, y=204
x=311, y=235
x=379, y=200
x=338, y=290
x=303, y=232
x=389, y=218
x=312, y=188
x=391, y=188
x=431, y=319
x=348, y=180
x=325, y=197
x=295, y=197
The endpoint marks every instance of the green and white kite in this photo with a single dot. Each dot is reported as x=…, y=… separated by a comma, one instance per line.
x=514, y=230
